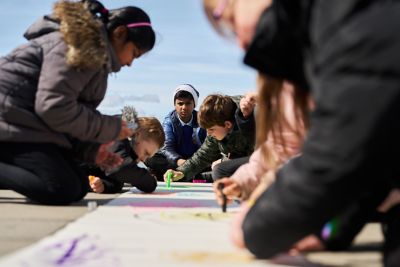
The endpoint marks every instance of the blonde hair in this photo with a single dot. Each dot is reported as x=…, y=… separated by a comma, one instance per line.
x=270, y=118
x=150, y=128
x=216, y=110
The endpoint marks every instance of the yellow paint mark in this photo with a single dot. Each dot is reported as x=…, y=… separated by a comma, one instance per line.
x=213, y=257
x=186, y=215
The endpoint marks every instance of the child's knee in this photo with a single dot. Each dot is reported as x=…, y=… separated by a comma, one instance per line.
x=64, y=194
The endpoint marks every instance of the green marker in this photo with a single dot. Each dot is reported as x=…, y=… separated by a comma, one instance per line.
x=169, y=178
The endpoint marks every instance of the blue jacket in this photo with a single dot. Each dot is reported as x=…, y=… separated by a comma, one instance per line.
x=173, y=136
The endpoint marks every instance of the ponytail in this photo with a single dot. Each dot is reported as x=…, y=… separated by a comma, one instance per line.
x=138, y=23
x=98, y=10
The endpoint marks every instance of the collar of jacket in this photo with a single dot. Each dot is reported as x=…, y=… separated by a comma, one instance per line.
x=113, y=64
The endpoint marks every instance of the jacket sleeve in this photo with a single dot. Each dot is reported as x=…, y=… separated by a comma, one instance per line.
x=247, y=126
x=57, y=101
x=169, y=148
x=248, y=175
x=137, y=177
x=204, y=156
x=112, y=186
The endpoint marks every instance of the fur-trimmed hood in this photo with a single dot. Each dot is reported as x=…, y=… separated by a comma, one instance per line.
x=85, y=36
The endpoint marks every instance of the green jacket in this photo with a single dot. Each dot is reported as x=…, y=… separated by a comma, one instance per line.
x=238, y=143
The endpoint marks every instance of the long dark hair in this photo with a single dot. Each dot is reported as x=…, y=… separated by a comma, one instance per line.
x=143, y=37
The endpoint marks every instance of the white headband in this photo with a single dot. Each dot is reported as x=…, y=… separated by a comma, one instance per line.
x=189, y=89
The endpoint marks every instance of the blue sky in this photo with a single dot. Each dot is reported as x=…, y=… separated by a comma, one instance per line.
x=187, y=51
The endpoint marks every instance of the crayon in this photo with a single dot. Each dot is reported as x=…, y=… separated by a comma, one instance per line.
x=91, y=179
x=224, y=199
x=169, y=178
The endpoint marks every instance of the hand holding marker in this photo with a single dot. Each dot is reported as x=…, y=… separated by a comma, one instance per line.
x=224, y=199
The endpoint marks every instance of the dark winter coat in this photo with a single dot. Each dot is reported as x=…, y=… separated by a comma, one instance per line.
x=348, y=54
x=51, y=86
x=173, y=136
x=239, y=143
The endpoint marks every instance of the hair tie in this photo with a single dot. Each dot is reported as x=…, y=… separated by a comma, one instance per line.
x=138, y=24
x=104, y=11
x=219, y=9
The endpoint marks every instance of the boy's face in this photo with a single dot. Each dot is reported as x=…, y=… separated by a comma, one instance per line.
x=219, y=132
x=184, y=107
x=145, y=148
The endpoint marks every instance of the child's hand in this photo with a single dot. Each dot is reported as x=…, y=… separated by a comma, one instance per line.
x=97, y=185
x=247, y=104
x=307, y=244
x=125, y=132
x=175, y=177
x=231, y=190
x=106, y=159
x=236, y=232
x=236, y=229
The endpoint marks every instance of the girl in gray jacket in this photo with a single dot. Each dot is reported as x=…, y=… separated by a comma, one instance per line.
x=49, y=91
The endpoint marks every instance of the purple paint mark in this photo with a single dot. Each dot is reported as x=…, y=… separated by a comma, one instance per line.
x=69, y=252
x=173, y=203
x=76, y=251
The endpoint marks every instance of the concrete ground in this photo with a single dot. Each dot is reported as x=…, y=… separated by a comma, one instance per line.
x=23, y=223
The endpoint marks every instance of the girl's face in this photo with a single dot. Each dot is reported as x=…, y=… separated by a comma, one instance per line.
x=231, y=18
x=219, y=132
x=145, y=148
x=126, y=51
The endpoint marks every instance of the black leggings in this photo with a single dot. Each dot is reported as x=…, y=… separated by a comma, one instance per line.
x=45, y=173
x=391, y=231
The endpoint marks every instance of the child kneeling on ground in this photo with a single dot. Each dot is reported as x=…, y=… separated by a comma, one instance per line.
x=146, y=141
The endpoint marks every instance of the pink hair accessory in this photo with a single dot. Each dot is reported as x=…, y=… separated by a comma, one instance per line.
x=138, y=24
x=220, y=8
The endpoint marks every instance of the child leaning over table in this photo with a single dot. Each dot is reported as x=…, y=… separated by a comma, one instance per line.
x=230, y=135
x=148, y=138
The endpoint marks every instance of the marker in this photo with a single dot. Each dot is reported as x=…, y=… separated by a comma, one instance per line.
x=220, y=188
x=169, y=177
x=330, y=229
x=91, y=179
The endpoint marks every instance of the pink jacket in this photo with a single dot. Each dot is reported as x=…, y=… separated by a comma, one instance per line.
x=249, y=175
